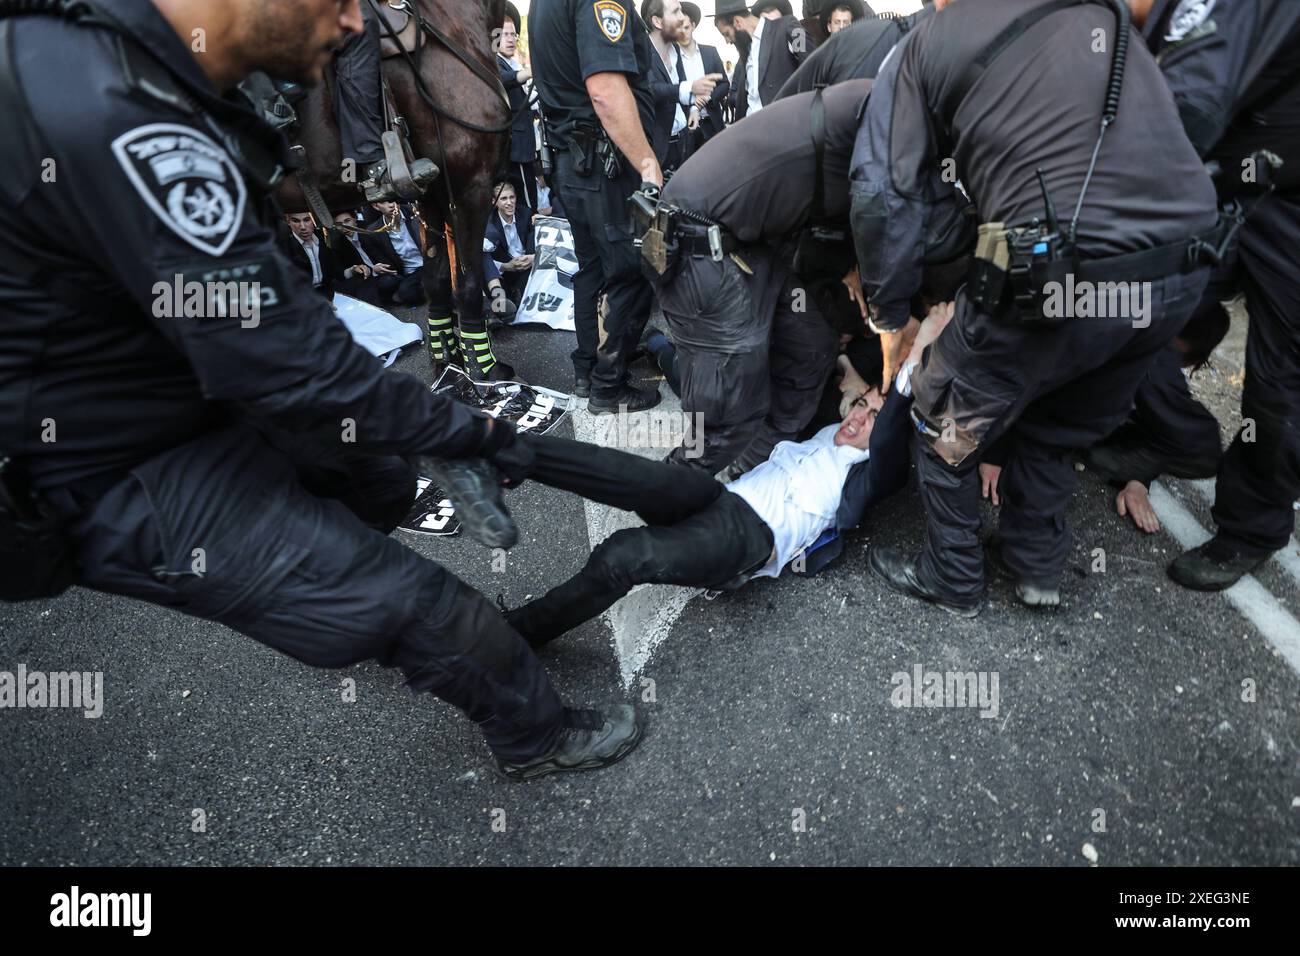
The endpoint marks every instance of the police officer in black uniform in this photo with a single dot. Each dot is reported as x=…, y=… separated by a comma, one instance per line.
x=590, y=60
x=994, y=91
x=745, y=307
x=1235, y=76
x=195, y=423
x=753, y=348
x=854, y=53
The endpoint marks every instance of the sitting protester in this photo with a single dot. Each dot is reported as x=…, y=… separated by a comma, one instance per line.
x=316, y=260
x=398, y=243
x=346, y=245
x=509, y=239
x=789, y=511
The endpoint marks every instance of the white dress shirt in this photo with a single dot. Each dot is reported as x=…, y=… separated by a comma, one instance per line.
x=693, y=64
x=751, y=69
x=313, y=253
x=797, y=491
x=514, y=245
x=361, y=250
x=404, y=245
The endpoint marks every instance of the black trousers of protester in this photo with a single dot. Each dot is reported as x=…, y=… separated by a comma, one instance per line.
x=1064, y=388
x=1168, y=420
x=406, y=289
x=295, y=554
x=698, y=534
x=720, y=318
x=358, y=103
x=801, y=358
x=602, y=239
x=1260, y=478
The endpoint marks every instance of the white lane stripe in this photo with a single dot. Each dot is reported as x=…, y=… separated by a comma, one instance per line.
x=1248, y=596
x=1288, y=557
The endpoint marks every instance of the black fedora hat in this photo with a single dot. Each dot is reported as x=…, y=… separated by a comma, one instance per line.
x=727, y=8
x=857, y=9
x=782, y=5
x=512, y=14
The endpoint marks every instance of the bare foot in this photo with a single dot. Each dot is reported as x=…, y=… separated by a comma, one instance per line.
x=1133, y=502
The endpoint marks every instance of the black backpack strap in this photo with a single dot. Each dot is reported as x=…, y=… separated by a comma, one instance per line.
x=819, y=148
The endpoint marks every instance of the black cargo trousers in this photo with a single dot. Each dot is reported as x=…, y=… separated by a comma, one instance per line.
x=1063, y=387
x=753, y=354
x=607, y=260
x=235, y=528
x=1259, y=478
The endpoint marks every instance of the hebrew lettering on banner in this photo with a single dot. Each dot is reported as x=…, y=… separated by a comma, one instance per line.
x=529, y=407
x=548, y=297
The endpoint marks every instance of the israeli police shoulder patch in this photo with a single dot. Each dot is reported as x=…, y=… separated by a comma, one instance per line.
x=612, y=19
x=1189, y=15
x=187, y=180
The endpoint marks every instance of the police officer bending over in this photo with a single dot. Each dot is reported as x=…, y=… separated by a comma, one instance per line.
x=155, y=421
x=591, y=60
x=1059, y=321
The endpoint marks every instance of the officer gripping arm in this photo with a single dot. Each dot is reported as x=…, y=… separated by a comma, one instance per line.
x=892, y=192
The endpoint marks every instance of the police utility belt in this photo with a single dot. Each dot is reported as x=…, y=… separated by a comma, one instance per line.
x=590, y=147
x=1013, y=269
x=666, y=233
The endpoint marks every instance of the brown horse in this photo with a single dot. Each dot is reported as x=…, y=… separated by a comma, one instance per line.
x=466, y=136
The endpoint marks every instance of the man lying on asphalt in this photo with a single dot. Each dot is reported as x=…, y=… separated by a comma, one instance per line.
x=791, y=508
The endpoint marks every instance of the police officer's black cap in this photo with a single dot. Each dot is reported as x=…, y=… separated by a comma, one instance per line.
x=692, y=11
x=782, y=5
x=728, y=8
x=512, y=14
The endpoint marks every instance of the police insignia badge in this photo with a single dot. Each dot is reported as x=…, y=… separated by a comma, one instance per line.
x=188, y=181
x=612, y=19
x=1189, y=15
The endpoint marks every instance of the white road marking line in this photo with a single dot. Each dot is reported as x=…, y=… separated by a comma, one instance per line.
x=1288, y=557
x=1248, y=596
x=643, y=618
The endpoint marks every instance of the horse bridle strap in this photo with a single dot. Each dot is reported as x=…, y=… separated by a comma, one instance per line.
x=477, y=68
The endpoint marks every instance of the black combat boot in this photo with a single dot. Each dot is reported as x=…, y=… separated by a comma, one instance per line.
x=1214, y=566
x=899, y=573
x=474, y=487
x=590, y=739
x=630, y=399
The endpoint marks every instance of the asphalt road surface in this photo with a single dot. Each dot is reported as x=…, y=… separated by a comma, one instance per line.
x=1137, y=724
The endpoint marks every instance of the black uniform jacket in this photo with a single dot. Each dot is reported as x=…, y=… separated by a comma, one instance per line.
x=137, y=190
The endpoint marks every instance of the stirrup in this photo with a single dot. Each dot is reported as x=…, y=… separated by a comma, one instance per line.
x=399, y=177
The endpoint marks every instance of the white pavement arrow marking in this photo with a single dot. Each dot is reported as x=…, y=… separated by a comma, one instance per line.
x=645, y=616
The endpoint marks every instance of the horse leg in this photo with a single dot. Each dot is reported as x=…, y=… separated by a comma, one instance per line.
x=469, y=221
x=444, y=348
